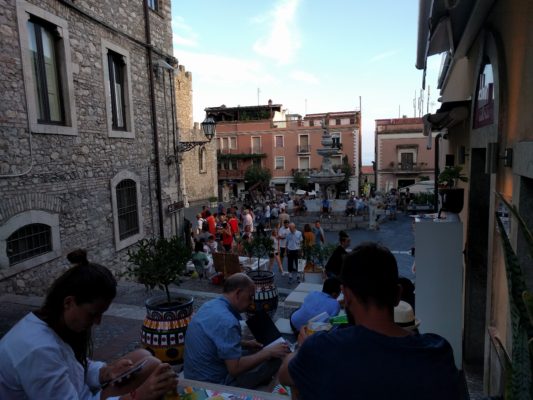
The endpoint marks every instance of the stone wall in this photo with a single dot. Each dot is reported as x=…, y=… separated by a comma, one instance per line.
x=69, y=176
x=197, y=184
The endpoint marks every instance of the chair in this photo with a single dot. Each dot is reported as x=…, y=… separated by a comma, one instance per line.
x=232, y=264
x=218, y=262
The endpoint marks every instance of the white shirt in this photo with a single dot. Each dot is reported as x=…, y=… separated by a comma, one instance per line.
x=35, y=363
x=282, y=233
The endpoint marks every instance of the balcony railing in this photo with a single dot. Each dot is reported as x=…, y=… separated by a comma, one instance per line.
x=406, y=168
x=230, y=174
x=304, y=149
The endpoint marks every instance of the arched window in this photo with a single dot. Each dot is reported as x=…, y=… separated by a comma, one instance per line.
x=28, y=242
x=28, y=239
x=202, y=158
x=127, y=215
x=128, y=220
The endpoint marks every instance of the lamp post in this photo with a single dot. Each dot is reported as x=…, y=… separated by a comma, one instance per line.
x=209, y=130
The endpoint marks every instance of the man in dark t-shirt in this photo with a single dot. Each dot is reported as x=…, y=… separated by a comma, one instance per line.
x=334, y=264
x=372, y=357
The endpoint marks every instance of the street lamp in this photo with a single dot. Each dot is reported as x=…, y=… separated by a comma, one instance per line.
x=209, y=130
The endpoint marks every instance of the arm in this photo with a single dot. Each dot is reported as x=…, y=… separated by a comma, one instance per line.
x=238, y=366
x=284, y=376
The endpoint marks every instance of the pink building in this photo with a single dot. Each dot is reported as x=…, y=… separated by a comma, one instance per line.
x=284, y=143
x=401, y=153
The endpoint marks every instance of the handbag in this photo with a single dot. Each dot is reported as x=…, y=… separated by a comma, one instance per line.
x=301, y=264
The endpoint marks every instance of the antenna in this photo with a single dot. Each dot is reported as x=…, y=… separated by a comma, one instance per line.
x=258, y=91
x=305, y=108
x=414, y=105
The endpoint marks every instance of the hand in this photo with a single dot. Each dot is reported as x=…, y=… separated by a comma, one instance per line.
x=162, y=380
x=111, y=371
x=279, y=350
x=251, y=344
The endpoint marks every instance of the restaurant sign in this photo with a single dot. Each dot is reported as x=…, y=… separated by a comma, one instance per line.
x=484, y=106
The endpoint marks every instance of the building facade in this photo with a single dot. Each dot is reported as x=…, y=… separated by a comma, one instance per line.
x=198, y=166
x=485, y=89
x=86, y=157
x=401, y=154
x=285, y=144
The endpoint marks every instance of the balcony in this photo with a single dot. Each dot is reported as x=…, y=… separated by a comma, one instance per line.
x=406, y=168
x=304, y=149
x=224, y=174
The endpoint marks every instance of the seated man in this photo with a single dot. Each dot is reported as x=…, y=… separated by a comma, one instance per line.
x=316, y=303
x=372, y=357
x=326, y=208
x=350, y=207
x=213, y=343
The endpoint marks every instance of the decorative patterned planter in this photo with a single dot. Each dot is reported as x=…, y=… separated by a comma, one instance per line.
x=266, y=293
x=164, y=327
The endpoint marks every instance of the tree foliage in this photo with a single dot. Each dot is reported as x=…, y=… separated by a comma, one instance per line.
x=158, y=262
x=301, y=180
x=256, y=174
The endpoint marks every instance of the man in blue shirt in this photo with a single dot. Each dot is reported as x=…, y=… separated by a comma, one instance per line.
x=214, y=346
x=372, y=357
x=316, y=303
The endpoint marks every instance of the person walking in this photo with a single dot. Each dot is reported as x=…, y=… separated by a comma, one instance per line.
x=294, y=248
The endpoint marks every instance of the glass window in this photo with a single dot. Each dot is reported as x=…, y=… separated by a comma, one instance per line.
x=279, y=141
x=43, y=40
x=28, y=242
x=303, y=163
x=153, y=4
x=256, y=162
x=280, y=163
x=232, y=142
x=116, y=66
x=256, y=145
x=128, y=220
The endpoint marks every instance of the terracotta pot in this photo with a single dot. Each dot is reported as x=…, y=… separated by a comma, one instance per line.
x=266, y=293
x=164, y=327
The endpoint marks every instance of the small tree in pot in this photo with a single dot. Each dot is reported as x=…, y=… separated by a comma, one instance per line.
x=452, y=196
x=158, y=262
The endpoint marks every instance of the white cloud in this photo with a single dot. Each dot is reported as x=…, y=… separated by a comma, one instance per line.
x=283, y=40
x=183, y=34
x=384, y=55
x=303, y=76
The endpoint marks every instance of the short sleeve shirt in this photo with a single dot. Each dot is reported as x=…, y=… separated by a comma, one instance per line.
x=358, y=363
x=213, y=336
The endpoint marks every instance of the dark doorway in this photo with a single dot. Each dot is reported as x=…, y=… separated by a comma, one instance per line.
x=476, y=259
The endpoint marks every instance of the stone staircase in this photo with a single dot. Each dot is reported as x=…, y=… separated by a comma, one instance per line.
x=335, y=222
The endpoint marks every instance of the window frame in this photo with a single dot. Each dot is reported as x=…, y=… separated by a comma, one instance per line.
x=128, y=241
x=153, y=5
x=276, y=141
x=128, y=132
x=19, y=221
x=202, y=160
x=300, y=158
x=68, y=123
x=279, y=158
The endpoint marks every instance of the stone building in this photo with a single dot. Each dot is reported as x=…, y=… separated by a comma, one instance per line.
x=86, y=139
x=401, y=153
x=284, y=143
x=198, y=166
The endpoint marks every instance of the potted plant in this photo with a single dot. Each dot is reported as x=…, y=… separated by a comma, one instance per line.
x=316, y=257
x=156, y=263
x=266, y=292
x=213, y=201
x=452, y=196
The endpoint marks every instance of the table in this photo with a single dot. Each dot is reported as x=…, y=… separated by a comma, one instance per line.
x=251, y=263
x=308, y=287
x=240, y=393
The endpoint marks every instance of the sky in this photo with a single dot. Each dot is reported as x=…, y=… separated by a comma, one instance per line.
x=310, y=56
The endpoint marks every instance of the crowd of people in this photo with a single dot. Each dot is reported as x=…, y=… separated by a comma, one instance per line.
x=370, y=357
